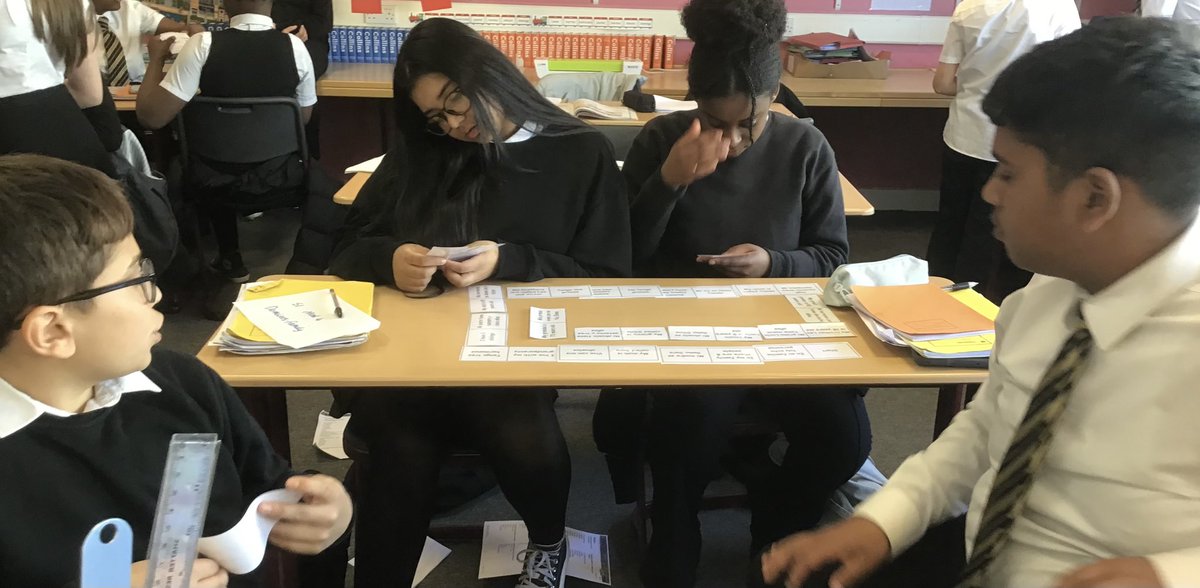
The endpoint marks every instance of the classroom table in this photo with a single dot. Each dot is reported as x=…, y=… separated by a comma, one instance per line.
x=904, y=88
x=420, y=340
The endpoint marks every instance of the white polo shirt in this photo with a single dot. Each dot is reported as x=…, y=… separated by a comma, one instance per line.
x=985, y=36
x=26, y=63
x=183, y=79
x=130, y=23
x=1184, y=10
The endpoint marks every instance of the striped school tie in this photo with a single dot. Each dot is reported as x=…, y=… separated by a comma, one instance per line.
x=1025, y=454
x=116, y=68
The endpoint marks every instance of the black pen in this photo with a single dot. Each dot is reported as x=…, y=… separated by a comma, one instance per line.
x=337, y=307
x=960, y=286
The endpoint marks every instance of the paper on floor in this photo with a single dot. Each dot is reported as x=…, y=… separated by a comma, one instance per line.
x=330, y=432
x=431, y=556
x=503, y=542
x=367, y=167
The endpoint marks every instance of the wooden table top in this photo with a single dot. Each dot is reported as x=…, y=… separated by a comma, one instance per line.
x=420, y=341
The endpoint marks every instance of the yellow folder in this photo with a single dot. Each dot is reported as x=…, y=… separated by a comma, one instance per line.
x=358, y=294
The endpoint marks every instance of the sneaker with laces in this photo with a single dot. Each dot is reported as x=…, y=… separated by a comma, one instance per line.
x=544, y=568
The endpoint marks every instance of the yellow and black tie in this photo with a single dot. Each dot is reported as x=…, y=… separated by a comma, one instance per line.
x=116, y=69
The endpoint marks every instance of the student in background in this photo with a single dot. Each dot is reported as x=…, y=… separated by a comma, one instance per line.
x=310, y=21
x=760, y=191
x=88, y=407
x=122, y=25
x=1075, y=465
x=481, y=159
x=250, y=59
x=1186, y=11
x=50, y=74
x=984, y=37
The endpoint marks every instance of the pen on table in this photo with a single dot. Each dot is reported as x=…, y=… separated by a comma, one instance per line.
x=960, y=286
x=337, y=307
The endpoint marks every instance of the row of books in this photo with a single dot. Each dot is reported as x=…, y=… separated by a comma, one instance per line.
x=655, y=51
x=365, y=44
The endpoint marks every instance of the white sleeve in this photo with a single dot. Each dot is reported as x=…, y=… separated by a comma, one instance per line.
x=1165, y=8
x=936, y=484
x=183, y=79
x=147, y=18
x=306, y=90
x=952, y=48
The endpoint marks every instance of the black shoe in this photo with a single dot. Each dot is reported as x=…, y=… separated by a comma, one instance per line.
x=231, y=269
x=544, y=568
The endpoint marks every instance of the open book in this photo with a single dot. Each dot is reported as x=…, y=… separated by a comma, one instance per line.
x=584, y=108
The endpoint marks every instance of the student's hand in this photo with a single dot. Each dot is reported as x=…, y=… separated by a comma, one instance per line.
x=477, y=269
x=857, y=546
x=695, y=155
x=194, y=29
x=320, y=518
x=744, y=261
x=412, y=267
x=205, y=574
x=299, y=31
x=158, y=49
x=1122, y=572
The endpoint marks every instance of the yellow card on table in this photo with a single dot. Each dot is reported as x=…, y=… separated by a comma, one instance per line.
x=361, y=295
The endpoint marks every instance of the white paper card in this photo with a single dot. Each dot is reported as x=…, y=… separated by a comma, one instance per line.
x=548, y=315
x=676, y=293
x=431, y=556
x=805, y=288
x=633, y=354
x=533, y=354
x=605, y=292
x=737, y=334
x=757, y=290
x=727, y=355
x=799, y=301
x=673, y=355
x=487, y=337
x=461, y=253
x=547, y=323
x=570, y=291
x=485, y=291
x=640, y=291
x=832, y=351
x=307, y=318
x=817, y=314
x=715, y=292
x=241, y=548
x=328, y=437
x=819, y=330
x=691, y=333
x=489, y=320
x=644, y=334
x=528, y=292
x=582, y=353
x=484, y=354
x=597, y=334
x=488, y=305
x=783, y=352
x=783, y=331
x=503, y=541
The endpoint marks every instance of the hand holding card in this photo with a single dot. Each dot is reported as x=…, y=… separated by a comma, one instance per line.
x=740, y=261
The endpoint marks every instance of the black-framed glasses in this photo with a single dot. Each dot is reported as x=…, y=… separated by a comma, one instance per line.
x=455, y=104
x=147, y=279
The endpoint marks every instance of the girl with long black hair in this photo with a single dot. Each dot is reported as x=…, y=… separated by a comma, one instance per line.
x=481, y=159
x=734, y=190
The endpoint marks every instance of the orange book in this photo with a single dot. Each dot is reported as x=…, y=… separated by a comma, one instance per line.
x=614, y=47
x=593, y=47
x=528, y=42
x=505, y=46
x=648, y=53
x=514, y=49
x=575, y=39
x=643, y=50
x=630, y=47
x=669, y=53
x=657, y=55
x=920, y=310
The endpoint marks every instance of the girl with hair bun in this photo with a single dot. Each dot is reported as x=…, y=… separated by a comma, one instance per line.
x=734, y=190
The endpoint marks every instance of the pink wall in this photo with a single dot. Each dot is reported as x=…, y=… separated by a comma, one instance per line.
x=940, y=7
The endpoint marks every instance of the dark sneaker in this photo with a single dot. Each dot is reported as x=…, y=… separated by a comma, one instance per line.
x=232, y=270
x=544, y=568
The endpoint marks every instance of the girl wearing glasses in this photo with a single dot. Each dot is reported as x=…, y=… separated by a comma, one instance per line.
x=481, y=159
x=734, y=190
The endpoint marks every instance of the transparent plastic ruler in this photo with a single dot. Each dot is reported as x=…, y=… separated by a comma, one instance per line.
x=182, y=504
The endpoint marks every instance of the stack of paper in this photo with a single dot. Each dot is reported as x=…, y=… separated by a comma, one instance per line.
x=292, y=316
x=937, y=324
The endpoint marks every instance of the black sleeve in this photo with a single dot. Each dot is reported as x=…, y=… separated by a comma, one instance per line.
x=824, y=244
x=319, y=20
x=365, y=243
x=600, y=246
x=106, y=122
x=651, y=200
x=260, y=468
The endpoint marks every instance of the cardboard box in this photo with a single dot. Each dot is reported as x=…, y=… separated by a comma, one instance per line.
x=876, y=67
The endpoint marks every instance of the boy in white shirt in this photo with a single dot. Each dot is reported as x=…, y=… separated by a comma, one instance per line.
x=122, y=25
x=1075, y=466
x=984, y=37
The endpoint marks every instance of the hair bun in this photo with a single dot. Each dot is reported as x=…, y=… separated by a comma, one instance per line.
x=733, y=25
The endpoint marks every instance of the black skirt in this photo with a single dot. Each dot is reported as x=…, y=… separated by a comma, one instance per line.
x=49, y=122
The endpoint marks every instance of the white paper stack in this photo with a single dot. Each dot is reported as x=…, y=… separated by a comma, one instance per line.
x=293, y=323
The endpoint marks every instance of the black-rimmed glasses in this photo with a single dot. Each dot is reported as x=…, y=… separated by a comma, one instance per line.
x=147, y=279
x=456, y=104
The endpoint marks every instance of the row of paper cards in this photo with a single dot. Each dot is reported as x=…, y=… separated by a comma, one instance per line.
x=755, y=354
x=495, y=292
x=809, y=306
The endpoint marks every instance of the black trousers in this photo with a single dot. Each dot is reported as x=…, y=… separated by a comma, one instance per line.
x=49, y=122
x=936, y=561
x=409, y=433
x=962, y=247
x=829, y=438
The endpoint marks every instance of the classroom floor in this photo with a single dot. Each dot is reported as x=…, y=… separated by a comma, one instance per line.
x=902, y=420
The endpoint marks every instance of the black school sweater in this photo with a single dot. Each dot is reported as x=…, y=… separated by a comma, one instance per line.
x=558, y=205
x=781, y=194
x=60, y=476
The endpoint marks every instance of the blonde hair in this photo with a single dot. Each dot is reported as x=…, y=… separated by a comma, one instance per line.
x=64, y=26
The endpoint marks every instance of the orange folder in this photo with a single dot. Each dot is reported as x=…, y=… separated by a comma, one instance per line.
x=919, y=310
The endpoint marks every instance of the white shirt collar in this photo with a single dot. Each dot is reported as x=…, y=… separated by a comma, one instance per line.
x=523, y=134
x=18, y=409
x=251, y=22
x=1115, y=311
